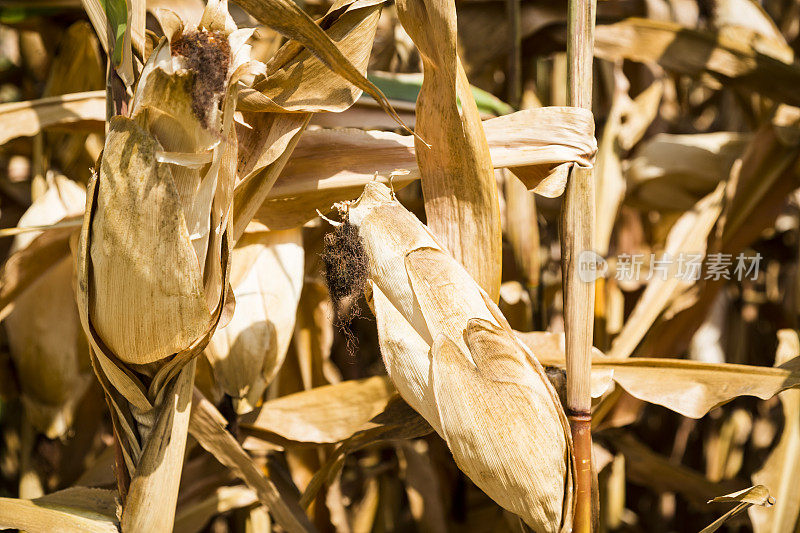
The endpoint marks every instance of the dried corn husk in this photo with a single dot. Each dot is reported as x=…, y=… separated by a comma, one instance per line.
x=154, y=249
x=267, y=277
x=453, y=357
x=181, y=144
x=44, y=333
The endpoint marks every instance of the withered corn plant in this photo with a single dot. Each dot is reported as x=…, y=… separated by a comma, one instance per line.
x=424, y=265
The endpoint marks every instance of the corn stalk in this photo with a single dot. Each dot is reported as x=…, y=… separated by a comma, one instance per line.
x=577, y=230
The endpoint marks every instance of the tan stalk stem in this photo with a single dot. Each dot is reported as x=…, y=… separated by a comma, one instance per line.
x=577, y=229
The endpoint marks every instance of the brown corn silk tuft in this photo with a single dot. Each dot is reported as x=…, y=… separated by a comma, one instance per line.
x=207, y=55
x=345, y=267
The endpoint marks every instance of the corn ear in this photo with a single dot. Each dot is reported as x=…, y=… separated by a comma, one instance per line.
x=454, y=359
x=45, y=338
x=267, y=276
x=153, y=256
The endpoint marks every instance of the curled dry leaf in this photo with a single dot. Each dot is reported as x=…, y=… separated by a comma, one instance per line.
x=207, y=425
x=690, y=388
x=286, y=17
x=746, y=498
x=671, y=172
x=45, y=338
x=334, y=165
x=325, y=414
x=23, y=119
x=458, y=184
x=782, y=468
x=73, y=509
x=299, y=81
x=438, y=330
x=688, y=236
x=267, y=277
x=718, y=58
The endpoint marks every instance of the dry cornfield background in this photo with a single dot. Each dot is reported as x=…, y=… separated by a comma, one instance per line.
x=411, y=265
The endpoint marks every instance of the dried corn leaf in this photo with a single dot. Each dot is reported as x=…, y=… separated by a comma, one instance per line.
x=717, y=58
x=74, y=509
x=647, y=468
x=458, y=184
x=267, y=277
x=396, y=421
x=207, y=425
x=193, y=518
x=690, y=388
x=334, y=165
x=28, y=118
x=671, y=172
x=782, y=468
x=757, y=495
x=687, y=236
x=298, y=81
x=746, y=20
x=758, y=188
x=325, y=414
x=286, y=17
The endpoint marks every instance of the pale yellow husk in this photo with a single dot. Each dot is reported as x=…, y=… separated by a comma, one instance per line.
x=267, y=277
x=45, y=338
x=454, y=359
x=155, y=240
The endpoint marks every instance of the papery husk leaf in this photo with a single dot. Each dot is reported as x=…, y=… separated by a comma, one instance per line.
x=719, y=59
x=781, y=469
x=182, y=257
x=267, y=277
x=153, y=492
x=467, y=422
x=207, y=425
x=334, y=165
x=74, y=509
x=132, y=219
x=24, y=119
x=757, y=495
x=326, y=414
x=458, y=184
x=431, y=295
